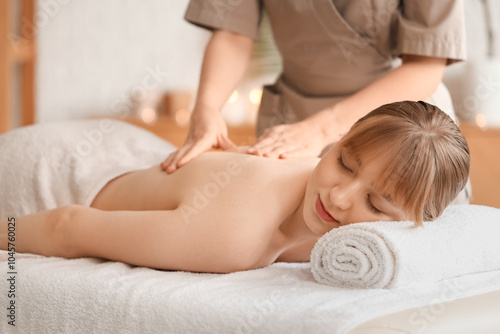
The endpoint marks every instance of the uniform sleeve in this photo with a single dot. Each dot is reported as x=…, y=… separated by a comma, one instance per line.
x=239, y=16
x=434, y=28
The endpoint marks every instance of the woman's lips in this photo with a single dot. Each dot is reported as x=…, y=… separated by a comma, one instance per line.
x=320, y=208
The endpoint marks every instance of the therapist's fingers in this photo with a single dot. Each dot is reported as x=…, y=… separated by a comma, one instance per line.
x=182, y=156
x=296, y=153
x=201, y=146
x=281, y=152
x=290, y=140
x=189, y=155
x=311, y=148
x=274, y=148
x=207, y=130
x=191, y=149
x=292, y=147
x=271, y=140
x=168, y=161
x=225, y=143
x=278, y=147
x=270, y=136
x=170, y=164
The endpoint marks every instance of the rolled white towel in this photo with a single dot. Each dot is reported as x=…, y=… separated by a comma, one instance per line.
x=465, y=239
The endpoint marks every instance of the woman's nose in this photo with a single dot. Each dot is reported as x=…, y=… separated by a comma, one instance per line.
x=342, y=196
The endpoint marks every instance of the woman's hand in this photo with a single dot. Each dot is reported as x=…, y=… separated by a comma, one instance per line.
x=306, y=138
x=207, y=130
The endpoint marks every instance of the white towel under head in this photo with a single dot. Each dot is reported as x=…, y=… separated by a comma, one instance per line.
x=464, y=240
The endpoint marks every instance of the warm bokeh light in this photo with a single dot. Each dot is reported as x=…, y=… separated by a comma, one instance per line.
x=481, y=120
x=148, y=115
x=182, y=117
x=255, y=95
x=234, y=97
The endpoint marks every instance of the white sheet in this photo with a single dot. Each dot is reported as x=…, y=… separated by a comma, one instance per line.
x=89, y=295
x=45, y=166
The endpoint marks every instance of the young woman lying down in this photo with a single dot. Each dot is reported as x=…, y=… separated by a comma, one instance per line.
x=226, y=212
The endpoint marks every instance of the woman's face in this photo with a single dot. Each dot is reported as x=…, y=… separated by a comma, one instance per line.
x=341, y=191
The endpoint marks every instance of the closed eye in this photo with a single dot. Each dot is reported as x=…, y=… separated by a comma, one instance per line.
x=341, y=163
x=371, y=206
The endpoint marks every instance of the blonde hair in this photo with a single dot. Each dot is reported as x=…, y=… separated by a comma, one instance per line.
x=427, y=157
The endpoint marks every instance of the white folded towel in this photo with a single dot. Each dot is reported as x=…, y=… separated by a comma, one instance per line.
x=464, y=240
x=45, y=166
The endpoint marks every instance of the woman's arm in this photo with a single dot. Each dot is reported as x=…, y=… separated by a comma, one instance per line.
x=416, y=79
x=224, y=63
x=32, y=233
x=156, y=239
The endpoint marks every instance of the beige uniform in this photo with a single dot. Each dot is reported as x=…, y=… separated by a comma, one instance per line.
x=333, y=48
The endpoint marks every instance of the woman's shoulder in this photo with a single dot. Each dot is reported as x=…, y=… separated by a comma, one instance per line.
x=243, y=175
x=237, y=175
x=246, y=164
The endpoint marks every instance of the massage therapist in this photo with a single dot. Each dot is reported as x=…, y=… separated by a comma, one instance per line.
x=341, y=59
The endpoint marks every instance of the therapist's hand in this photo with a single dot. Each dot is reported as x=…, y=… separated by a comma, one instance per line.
x=207, y=130
x=306, y=138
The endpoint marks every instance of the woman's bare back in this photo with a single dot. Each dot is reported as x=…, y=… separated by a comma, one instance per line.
x=246, y=196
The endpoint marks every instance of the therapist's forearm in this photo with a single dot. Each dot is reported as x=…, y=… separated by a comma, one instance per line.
x=416, y=79
x=226, y=58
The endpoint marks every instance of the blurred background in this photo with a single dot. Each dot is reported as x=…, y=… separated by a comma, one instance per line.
x=139, y=61
x=118, y=58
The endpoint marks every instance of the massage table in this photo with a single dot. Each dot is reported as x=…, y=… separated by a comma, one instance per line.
x=88, y=295
x=56, y=295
